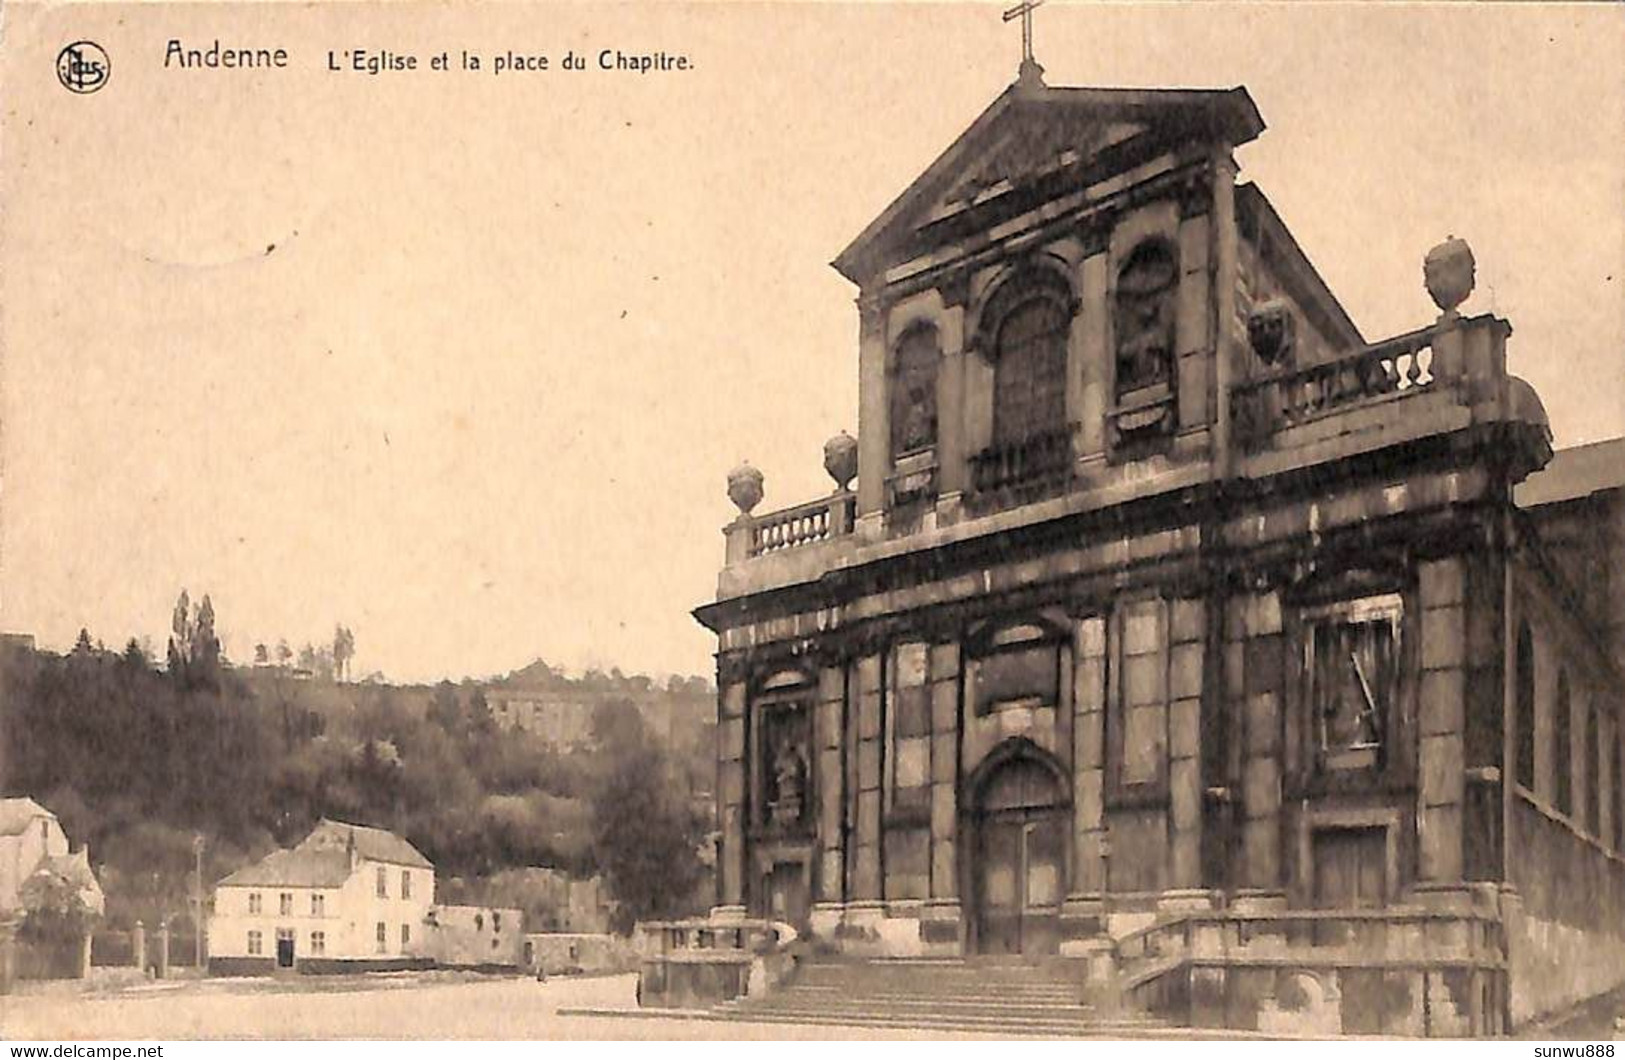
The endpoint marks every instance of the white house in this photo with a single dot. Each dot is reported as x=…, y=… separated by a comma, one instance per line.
x=32, y=841
x=347, y=897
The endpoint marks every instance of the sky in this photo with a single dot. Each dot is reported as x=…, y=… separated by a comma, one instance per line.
x=462, y=360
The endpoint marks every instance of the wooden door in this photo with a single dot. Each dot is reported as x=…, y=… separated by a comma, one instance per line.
x=1020, y=883
x=1351, y=868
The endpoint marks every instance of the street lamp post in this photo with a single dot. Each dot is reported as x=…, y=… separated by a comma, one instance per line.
x=197, y=901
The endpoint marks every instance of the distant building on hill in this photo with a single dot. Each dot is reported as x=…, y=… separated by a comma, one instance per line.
x=347, y=898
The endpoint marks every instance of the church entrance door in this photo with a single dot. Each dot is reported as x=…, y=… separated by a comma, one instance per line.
x=1020, y=869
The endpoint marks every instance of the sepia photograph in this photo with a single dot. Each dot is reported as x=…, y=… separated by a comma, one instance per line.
x=803, y=521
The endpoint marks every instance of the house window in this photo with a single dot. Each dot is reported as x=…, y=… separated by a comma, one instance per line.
x=1563, y=747
x=1029, y=375
x=254, y=903
x=1524, y=708
x=383, y=936
x=406, y=884
x=256, y=943
x=406, y=935
x=318, y=943
x=496, y=920
x=1351, y=667
x=285, y=904
x=383, y=882
x=318, y=905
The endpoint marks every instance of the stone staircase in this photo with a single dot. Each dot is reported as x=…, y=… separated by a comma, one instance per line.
x=1046, y=997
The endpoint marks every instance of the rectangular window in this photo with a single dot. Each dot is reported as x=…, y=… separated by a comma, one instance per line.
x=318, y=943
x=285, y=904
x=496, y=920
x=256, y=943
x=383, y=882
x=254, y=903
x=406, y=884
x=1351, y=668
x=1593, y=763
x=406, y=935
x=383, y=936
x=318, y=905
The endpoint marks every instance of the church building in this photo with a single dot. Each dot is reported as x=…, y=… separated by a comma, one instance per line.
x=1161, y=619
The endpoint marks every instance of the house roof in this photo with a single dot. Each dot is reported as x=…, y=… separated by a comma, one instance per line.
x=17, y=813
x=1032, y=121
x=374, y=844
x=74, y=867
x=1578, y=471
x=298, y=867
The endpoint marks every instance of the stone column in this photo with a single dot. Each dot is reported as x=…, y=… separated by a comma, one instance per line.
x=1228, y=340
x=83, y=967
x=940, y=927
x=138, y=946
x=1193, y=322
x=1082, y=915
x=1262, y=677
x=951, y=454
x=1089, y=338
x=827, y=736
x=162, y=958
x=874, y=433
x=1186, y=629
x=732, y=760
x=867, y=880
x=1441, y=761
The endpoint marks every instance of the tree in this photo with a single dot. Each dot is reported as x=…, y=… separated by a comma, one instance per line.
x=262, y=656
x=343, y=651
x=284, y=654
x=135, y=656
x=646, y=839
x=82, y=645
x=56, y=914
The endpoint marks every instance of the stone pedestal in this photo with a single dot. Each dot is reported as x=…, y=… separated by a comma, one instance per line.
x=161, y=960
x=1191, y=900
x=82, y=969
x=1253, y=900
x=138, y=946
x=727, y=914
x=940, y=927
x=825, y=919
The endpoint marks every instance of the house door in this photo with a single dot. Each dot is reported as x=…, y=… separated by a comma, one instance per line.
x=284, y=948
x=1351, y=868
x=1019, y=874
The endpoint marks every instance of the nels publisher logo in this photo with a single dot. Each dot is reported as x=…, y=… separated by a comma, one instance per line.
x=83, y=67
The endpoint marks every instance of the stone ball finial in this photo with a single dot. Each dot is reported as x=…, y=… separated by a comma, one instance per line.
x=1448, y=271
x=841, y=460
x=745, y=487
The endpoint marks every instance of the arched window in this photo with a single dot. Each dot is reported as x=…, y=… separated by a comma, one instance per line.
x=914, y=392
x=1563, y=748
x=1029, y=375
x=1144, y=321
x=1523, y=718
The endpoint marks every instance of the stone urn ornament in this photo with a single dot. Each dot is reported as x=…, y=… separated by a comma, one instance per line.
x=1448, y=271
x=841, y=460
x=745, y=487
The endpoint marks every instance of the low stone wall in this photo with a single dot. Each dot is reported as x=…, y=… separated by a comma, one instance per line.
x=1566, y=923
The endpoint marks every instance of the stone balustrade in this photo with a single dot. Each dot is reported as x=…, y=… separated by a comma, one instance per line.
x=1295, y=395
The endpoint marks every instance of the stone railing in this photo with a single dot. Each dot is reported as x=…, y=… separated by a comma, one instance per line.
x=1020, y=470
x=751, y=536
x=699, y=963
x=1289, y=397
x=1337, y=952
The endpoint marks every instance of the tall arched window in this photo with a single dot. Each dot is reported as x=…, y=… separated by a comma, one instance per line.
x=1563, y=748
x=914, y=391
x=1523, y=717
x=1029, y=375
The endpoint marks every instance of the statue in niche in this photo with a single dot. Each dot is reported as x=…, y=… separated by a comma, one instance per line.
x=1145, y=317
x=789, y=784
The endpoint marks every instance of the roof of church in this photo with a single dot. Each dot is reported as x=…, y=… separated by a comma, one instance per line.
x=299, y=867
x=16, y=813
x=1577, y=471
x=1056, y=119
x=374, y=844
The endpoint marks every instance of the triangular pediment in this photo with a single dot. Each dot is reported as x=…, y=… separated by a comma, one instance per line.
x=1031, y=133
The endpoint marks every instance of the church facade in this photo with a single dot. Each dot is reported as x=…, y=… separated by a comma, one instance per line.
x=1171, y=623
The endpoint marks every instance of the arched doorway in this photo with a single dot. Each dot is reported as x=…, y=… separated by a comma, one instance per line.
x=1018, y=871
